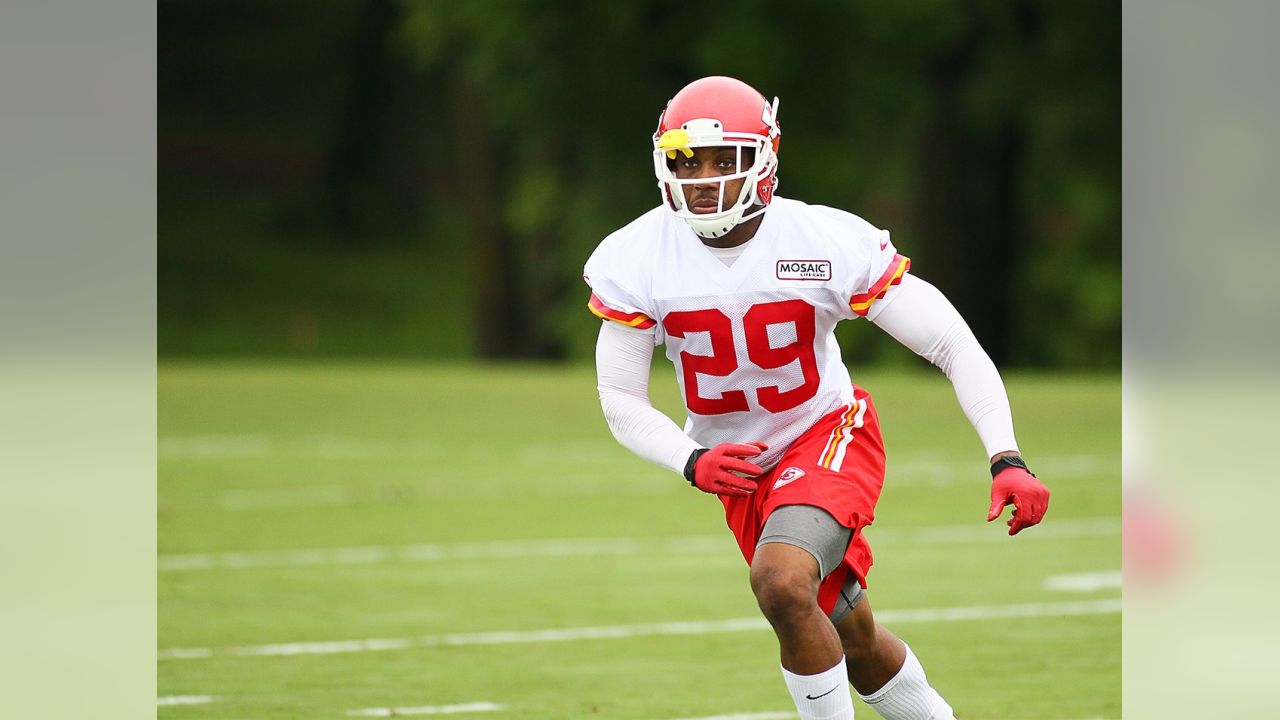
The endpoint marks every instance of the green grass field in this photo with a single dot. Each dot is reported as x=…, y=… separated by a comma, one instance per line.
x=430, y=494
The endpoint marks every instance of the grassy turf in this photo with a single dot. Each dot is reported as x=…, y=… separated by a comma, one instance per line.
x=283, y=456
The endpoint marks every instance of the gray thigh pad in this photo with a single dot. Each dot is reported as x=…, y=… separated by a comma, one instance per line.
x=850, y=595
x=809, y=528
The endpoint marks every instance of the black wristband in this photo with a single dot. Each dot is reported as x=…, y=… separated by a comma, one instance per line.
x=1007, y=462
x=693, y=460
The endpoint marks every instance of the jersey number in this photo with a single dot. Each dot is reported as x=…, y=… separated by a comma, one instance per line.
x=724, y=357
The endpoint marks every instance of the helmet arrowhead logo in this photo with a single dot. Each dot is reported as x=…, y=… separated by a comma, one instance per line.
x=769, y=117
x=788, y=476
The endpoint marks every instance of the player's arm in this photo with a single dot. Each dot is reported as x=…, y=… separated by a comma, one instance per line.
x=920, y=317
x=623, y=357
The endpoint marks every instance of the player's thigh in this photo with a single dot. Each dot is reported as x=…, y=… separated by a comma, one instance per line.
x=811, y=529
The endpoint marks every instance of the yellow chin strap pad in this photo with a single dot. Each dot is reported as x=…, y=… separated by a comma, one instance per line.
x=673, y=140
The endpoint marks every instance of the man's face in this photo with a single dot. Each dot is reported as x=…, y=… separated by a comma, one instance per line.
x=711, y=163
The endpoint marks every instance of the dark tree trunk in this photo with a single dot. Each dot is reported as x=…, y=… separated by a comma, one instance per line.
x=499, y=315
x=969, y=215
x=361, y=137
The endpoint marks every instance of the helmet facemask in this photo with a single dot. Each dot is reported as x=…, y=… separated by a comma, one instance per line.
x=757, y=176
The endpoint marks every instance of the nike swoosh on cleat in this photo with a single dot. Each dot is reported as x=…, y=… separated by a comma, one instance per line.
x=815, y=697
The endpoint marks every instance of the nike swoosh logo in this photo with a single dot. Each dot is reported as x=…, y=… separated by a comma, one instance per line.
x=815, y=697
x=884, y=244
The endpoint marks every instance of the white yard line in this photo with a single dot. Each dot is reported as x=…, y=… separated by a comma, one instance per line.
x=932, y=471
x=996, y=531
x=918, y=615
x=213, y=446
x=922, y=469
x=928, y=468
x=184, y=700
x=427, y=710
x=596, y=547
x=778, y=715
x=565, y=547
x=285, y=497
x=994, y=612
x=1084, y=582
x=774, y=715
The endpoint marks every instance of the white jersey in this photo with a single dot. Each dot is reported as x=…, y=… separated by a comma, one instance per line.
x=753, y=343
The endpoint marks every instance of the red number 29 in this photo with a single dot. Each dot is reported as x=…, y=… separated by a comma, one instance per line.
x=723, y=359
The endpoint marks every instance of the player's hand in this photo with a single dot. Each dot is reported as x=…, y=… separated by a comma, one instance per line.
x=720, y=470
x=1018, y=487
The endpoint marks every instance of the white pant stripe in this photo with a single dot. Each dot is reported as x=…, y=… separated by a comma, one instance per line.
x=847, y=435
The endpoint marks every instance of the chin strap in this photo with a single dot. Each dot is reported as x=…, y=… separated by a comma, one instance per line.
x=718, y=231
x=711, y=234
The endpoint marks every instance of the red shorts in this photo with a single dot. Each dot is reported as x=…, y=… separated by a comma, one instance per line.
x=838, y=465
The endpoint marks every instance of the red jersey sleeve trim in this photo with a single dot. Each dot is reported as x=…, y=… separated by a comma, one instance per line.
x=862, y=302
x=604, y=312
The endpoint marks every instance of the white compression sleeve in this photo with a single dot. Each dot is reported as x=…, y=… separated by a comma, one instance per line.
x=920, y=317
x=623, y=356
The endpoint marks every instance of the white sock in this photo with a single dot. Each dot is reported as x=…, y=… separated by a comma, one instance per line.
x=824, y=696
x=908, y=696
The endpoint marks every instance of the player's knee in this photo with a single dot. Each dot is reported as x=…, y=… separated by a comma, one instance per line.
x=783, y=592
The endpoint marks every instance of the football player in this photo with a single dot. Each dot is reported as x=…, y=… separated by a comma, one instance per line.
x=744, y=289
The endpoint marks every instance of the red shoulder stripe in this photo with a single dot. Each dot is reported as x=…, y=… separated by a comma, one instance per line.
x=604, y=312
x=898, y=267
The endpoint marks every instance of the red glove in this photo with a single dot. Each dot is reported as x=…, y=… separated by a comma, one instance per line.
x=1017, y=486
x=714, y=471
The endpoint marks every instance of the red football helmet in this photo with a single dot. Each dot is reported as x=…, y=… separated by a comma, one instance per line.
x=719, y=112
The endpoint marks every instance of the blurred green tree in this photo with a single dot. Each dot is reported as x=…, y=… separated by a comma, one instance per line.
x=507, y=137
